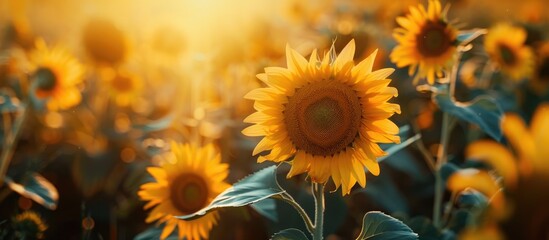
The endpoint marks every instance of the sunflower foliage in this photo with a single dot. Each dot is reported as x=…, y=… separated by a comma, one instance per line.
x=290, y=119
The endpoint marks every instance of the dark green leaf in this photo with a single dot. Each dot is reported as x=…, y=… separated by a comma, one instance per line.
x=447, y=170
x=290, y=234
x=37, y=188
x=483, y=111
x=424, y=228
x=156, y=125
x=7, y=103
x=472, y=199
x=391, y=149
x=254, y=188
x=380, y=226
x=267, y=208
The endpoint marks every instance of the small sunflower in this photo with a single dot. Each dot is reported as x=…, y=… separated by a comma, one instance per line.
x=504, y=44
x=184, y=186
x=56, y=75
x=104, y=42
x=123, y=86
x=521, y=210
x=426, y=42
x=327, y=116
x=540, y=81
x=29, y=225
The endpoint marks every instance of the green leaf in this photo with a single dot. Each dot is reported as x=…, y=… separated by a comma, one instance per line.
x=472, y=199
x=483, y=111
x=380, y=226
x=391, y=149
x=8, y=103
x=37, y=188
x=254, y=188
x=156, y=125
x=267, y=208
x=289, y=234
x=465, y=37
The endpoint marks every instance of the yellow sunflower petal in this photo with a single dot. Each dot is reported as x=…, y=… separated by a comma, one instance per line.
x=497, y=156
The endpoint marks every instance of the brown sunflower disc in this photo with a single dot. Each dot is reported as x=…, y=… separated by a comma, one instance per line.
x=189, y=193
x=434, y=39
x=323, y=117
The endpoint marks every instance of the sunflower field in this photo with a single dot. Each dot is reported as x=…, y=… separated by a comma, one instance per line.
x=283, y=120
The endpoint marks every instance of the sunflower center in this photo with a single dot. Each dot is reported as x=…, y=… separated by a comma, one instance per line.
x=434, y=39
x=122, y=84
x=189, y=193
x=323, y=118
x=45, y=79
x=507, y=55
x=543, y=70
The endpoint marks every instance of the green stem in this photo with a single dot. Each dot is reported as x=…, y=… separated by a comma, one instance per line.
x=443, y=149
x=441, y=159
x=318, y=193
x=11, y=143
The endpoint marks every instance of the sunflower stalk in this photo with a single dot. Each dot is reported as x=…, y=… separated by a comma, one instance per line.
x=10, y=142
x=443, y=149
x=318, y=193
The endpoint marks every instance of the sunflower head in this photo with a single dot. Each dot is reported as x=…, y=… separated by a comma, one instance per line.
x=122, y=85
x=426, y=41
x=104, y=42
x=325, y=117
x=29, y=225
x=540, y=81
x=55, y=75
x=184, y=186
x=505, y=44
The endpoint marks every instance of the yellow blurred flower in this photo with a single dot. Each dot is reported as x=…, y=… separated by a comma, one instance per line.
x=540, y=82
x=524, y=174
x=426, y=42
x=505, y=44
x=29, y=225
x=328, y=116
x=122, y=85
x=104, y=42
x=56, y=75
x=184, y=186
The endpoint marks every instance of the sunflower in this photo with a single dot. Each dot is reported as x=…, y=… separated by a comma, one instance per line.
x=426, y=42
x=525, y=176
x=504, y=44
x=29, y=225
x=122, y=85
x=56, y=75
x=327, y=116
x=184, y=186
x=540, y=81
x=104, y=42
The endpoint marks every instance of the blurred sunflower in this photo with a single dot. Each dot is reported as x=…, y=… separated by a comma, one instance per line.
x=525, y=175
x=55, y=75
x=123, y=86
x=540, y=81
x=426, y=42
x=505, y=44
x=104, y=42
x=183, y=187
x=29, y=225
x=329, y=116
